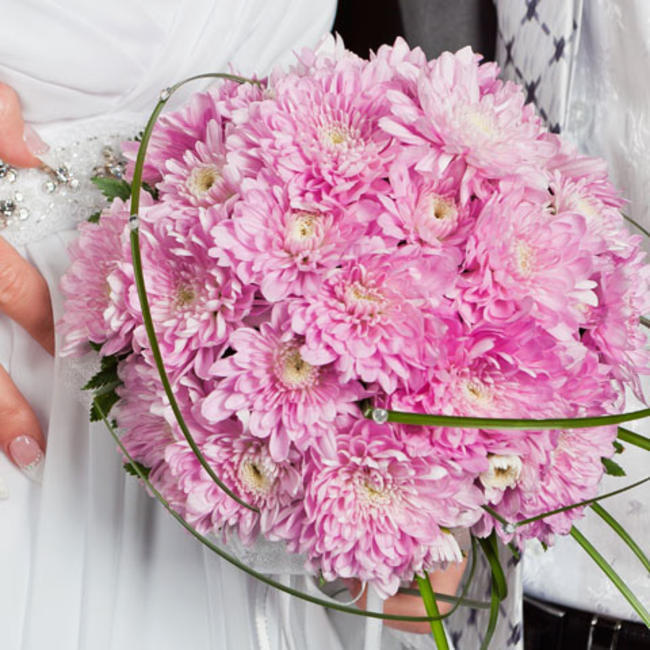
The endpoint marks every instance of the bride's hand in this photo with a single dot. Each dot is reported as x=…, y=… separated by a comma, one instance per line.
x=24, y=297
x=442, y=582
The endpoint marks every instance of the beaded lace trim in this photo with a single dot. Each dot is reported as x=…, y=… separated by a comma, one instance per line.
x=35, y=203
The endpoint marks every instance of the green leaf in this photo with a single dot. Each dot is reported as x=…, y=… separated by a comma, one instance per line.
x=618, y=447
x=130, y=468
x=617, y=581
x=103, y=404
x=112, y=188
x=95, y=346
x=622, y=533
x=430, y=604
x=612, y=468
x=633, y=438
x=152, y=190
x=94, y=217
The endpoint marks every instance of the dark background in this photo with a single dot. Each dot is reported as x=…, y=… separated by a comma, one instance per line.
x=434, y=25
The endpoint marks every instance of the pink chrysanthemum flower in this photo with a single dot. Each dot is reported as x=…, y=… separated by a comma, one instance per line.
x=94, y=308
x=194, y=303
x=174, y=134
x=376, y=514
x=521, y=256
x=203, y=177
x=244, y=464
x=615, y=330
x=289, y=400
x=570, y=474
x=282, y=247
x=462, y=111
x=368, y=315
x=147, y=424
x=426, y=210
x=324, y=127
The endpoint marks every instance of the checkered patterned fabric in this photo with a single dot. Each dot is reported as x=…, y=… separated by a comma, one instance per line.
x=537, y=41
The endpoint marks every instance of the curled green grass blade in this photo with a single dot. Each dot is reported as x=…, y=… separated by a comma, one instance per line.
x=494, y=617
x=499, y=588
x=636, y=224
x=622, y=533
x=491, y=551
x=330, y=604
x=457, y=601
x=586, y=502
x=429, y=599
x=423, y=419
x=633, y=438
x=136, y=188
x=617, y=581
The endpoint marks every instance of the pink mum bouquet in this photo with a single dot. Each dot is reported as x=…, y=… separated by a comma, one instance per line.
x=363, y=304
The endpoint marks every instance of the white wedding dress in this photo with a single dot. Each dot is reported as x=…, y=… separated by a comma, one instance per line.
x=88, y=561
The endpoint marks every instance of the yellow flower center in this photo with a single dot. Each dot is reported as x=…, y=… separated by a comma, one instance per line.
x=202, y=179
x=524, y=258
x=293, y=371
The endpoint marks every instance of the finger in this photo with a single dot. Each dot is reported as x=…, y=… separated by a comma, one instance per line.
x=20, y=145
x=25, y=297
x=21, y=437
x=442, y=582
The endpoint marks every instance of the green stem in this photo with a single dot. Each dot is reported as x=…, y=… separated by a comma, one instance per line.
x=622, y=533
x=612, y=575
x=633, y=438
x=430, y=604
x=136, y=188
x=644, y=321
x=423, y=419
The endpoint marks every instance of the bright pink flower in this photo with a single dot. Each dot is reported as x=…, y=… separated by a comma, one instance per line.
x=195, y=304
x=285, y=248
x=244, y=464
x=368, y=315
x=374, y=513
x=289, y=400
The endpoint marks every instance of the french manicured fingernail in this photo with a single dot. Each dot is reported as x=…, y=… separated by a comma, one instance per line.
x=33, y=141
x=4, y=490
x=28, y=456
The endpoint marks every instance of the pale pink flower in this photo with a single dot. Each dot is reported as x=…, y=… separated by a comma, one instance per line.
x=94, y=310
x=202, y=177
x=521, y=257
x=462, y=111
x=323, y=127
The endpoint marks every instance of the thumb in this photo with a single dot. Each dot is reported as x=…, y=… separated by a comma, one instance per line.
x=20, y=145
